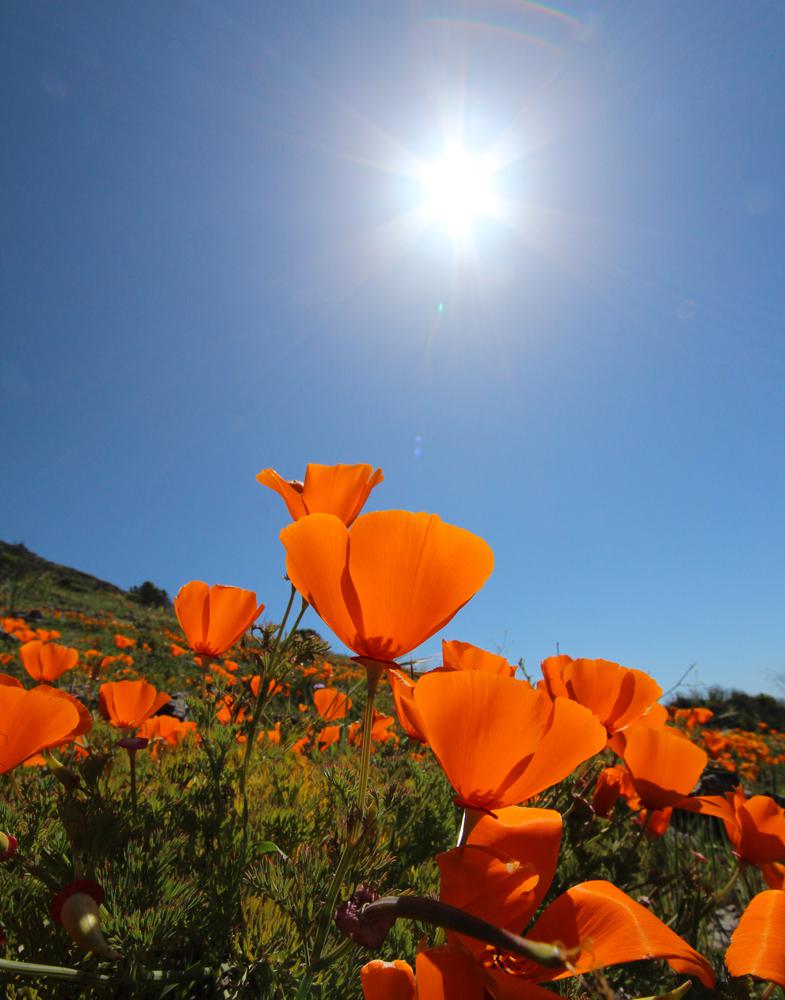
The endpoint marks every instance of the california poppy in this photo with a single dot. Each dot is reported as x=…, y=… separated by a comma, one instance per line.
x=388, y=583
x=31, y=721
x=214, y=618
x=403, y=696
x=612, y=782
x=464, y=656
x=127, y=704
x=331, y=703
x=46, y=661
x=166, y=729
x=328, y=489
x=617, y=695
x=595, y=919
x=380, y=730
x=755, y=827
x=757, y=947
x=505, y=869
x=664, y=765
x=495, y=738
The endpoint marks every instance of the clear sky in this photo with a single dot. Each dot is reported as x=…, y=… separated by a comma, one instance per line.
x=213, y=259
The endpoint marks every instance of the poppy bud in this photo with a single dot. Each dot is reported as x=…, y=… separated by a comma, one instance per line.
x=133, y=743
x=8, y=846
x=76, y=908
x=347, y=918
x=66, y=777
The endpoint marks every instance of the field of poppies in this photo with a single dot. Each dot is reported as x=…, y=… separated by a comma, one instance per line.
x=209, y=802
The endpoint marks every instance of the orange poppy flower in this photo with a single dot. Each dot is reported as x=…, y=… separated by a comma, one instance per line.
x=403, y=696
x=664, y=765
x=442, y=974
x=463, y=656
x=388, y=583
x=612, y=782
x=692, y=717
x=502, y=875
x=757, y=947
x=31, y=721
x=328, y=736
x=331, y=703
x=127, y=704
x=495, y=738
x=10, y=681
x=214, y=618
x=655, y=718
x=85, y=723
x=328, y=489
x=166, y=729
x=124, y=642
x=388, y=981
x=505, y=869
x=618, y=696
x=45, y=661
x=380, y=730
x=755, y=826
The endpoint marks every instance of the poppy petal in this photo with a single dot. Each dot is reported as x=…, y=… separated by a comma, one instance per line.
x=412, y=573
x=757, y=947
x=339, y=489
x=192, y=610
x=610, y=928
x=448, y=972
x=317, y=550
x=292, y=497
x=523, y=834
x=232, y=611
x=571, y=735
x=497, y=890
x=388, y=981
x=31, y=721
x=454, y=708
x=464, y=656
x=663, y=764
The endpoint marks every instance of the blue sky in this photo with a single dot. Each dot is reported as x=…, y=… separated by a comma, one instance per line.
x=208, y=266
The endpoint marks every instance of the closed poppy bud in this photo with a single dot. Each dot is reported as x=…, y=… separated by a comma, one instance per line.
x=347, y=918
x=606, y=791
x=76, y=908
x=8, y=845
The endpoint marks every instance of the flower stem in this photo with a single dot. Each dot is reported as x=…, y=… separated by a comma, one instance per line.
x=373, y=672
x=729, y=886
x=132, y=760
x=432, y=911
x=262, y=693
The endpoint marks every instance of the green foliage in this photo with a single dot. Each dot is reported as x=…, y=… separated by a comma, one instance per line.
x=150, y=596
x=736, y=708
x=210, y=895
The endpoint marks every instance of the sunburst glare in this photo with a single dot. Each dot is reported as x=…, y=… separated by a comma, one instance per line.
x=458, y=190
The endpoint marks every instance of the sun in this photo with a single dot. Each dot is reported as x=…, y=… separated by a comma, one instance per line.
x=458, y=190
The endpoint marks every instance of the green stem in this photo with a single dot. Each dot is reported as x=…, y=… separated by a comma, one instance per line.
x=729, y=886
x=262, y=693
x=132, y=759
x=13, y=968
x=432, y=911
x=374, y=672
x=51, y=971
